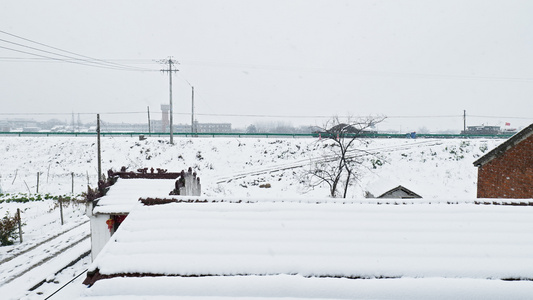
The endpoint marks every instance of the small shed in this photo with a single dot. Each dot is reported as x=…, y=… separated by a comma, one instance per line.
x=507, y=170
x=388, y=189
x=400, y=192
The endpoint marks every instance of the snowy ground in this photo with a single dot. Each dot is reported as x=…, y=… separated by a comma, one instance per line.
x=237, y=166
x=228, y=167
x=47, y=247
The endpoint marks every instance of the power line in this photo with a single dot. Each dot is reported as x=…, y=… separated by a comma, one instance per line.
x=74, y=60
x=428, y=116
x=110, y=63
x=59, y=59
x=353, y=72
x=86, y=113
x=263, y=115
x=499, y=117
x=36, y=59
x=55, y=48
x=92, y=61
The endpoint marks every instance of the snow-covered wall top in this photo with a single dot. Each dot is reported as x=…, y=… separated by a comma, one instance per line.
x=125, y=194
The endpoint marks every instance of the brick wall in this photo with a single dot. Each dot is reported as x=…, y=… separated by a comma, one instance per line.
x=509, y=175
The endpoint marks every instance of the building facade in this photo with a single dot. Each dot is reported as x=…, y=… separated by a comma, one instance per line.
x=507, y=170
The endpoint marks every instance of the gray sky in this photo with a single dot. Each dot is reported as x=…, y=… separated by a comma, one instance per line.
x=250, y=59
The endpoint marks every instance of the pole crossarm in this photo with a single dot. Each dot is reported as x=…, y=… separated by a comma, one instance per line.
x=170, y=62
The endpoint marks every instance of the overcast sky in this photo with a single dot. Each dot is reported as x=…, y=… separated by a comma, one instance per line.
x=250, y=61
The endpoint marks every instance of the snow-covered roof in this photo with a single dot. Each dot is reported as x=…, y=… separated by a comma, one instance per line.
x=125, y=193
x=381, y=186
x=327, y=240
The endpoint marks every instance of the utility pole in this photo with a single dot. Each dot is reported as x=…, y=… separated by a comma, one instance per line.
x=149, y=125
x=72, y=123
x=170, y=63
x=192, y=114
x=464, y=120
x=98, y=143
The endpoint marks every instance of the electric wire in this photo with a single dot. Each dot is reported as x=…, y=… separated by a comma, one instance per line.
x=72, y=60
x=55, y=48
x=315, y=70
x=92, y=61
x=75, y=61
x=259, y=115
x=43, y=60
x=353, y=72
x=59, y=59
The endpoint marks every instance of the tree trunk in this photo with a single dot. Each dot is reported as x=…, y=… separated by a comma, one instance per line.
x=347, y=183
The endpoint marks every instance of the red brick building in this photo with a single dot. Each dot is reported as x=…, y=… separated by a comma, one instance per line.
x=507, y=170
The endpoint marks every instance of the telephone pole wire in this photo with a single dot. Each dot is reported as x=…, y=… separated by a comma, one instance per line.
x=170, y=62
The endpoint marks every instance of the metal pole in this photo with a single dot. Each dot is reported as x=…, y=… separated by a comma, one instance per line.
x=98, y=143
x=149, y=125
x=192, y=114
x=464, y=120
x=37, y=182
x=171, y=109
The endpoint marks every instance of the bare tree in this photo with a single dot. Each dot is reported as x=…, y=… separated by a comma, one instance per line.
x=343, y=153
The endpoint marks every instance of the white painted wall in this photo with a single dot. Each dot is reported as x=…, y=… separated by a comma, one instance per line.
x=99, y=234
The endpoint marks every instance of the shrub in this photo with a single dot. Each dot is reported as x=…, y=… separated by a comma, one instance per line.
x=376, y=163
x=483, y=148
x=24, y=198
x=8, y=229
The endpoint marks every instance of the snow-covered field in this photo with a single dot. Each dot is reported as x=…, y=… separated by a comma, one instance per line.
x=430, y=167
x=228, y=167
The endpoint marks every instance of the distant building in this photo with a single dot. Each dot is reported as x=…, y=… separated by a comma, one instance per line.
x=156, y=125
x=18, y=124
x=388, y=188
x=4, y=127
x=124, y=127
x=31, y=129
x=481, y=130
x=213, y=127
x=507, y=170
x=398, y=192
x=487, y=130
